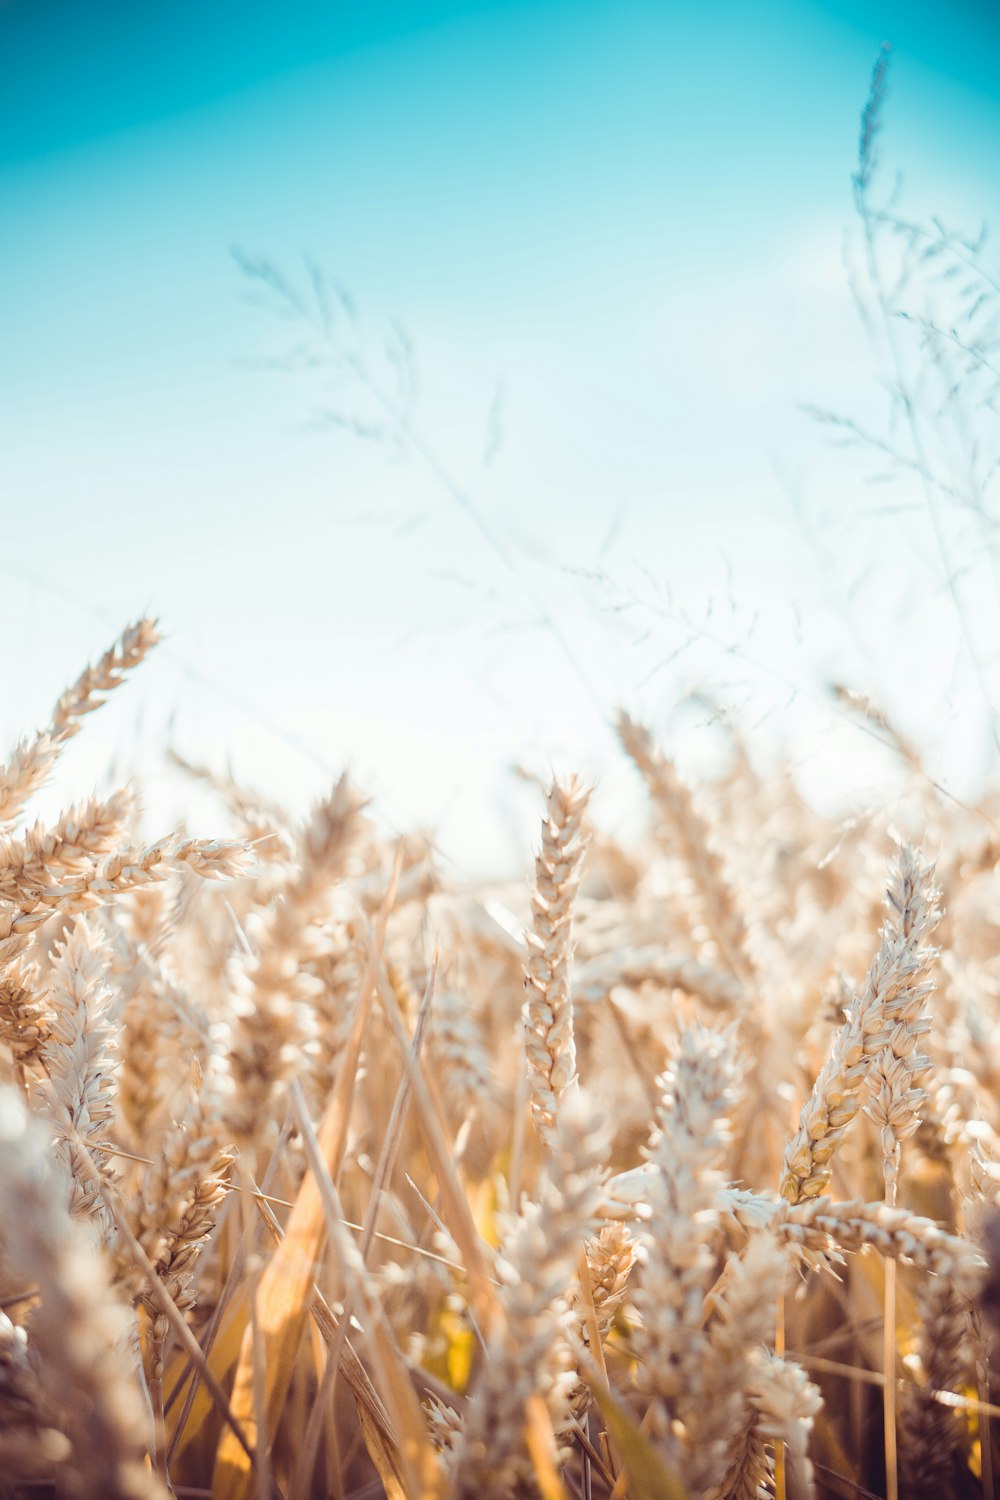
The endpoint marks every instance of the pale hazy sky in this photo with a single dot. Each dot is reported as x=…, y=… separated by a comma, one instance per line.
x=613, y=236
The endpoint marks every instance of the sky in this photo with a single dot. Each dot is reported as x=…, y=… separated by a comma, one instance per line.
x=436, y=374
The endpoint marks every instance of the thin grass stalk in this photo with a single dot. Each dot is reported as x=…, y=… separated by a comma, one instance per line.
x=261, y=1462
x=889, y=1391
x=376, y=1427
x=284, y=1285
x=455, y=1203
x=779, y=1447
x=390, y=1145
x=986, y=1411
x=420, y=1463
x=888, y=315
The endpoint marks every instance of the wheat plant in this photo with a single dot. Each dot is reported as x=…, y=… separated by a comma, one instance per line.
x=325, y=1173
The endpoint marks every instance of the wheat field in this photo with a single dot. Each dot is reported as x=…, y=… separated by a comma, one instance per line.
x=670, y=1172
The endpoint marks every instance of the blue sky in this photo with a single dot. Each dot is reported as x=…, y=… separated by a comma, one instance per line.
x=613, y=234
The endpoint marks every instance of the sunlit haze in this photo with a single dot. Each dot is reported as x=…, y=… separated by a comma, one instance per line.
x=438, y=375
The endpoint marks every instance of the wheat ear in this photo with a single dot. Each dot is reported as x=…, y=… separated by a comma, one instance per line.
x=274, y=1025
x=682, y=1217
x=885, y=1014
x=548, y=1019
x=81, y=1059
x=45, y=856
x=685, y=828
x=741, y=1324
x=34, y=758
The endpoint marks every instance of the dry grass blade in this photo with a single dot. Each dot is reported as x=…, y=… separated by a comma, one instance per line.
x=648, y=1474
x=283, y=1301
x=455, y=1205
x=383, y=1171
x=416, y=1453
x=377, y=1430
